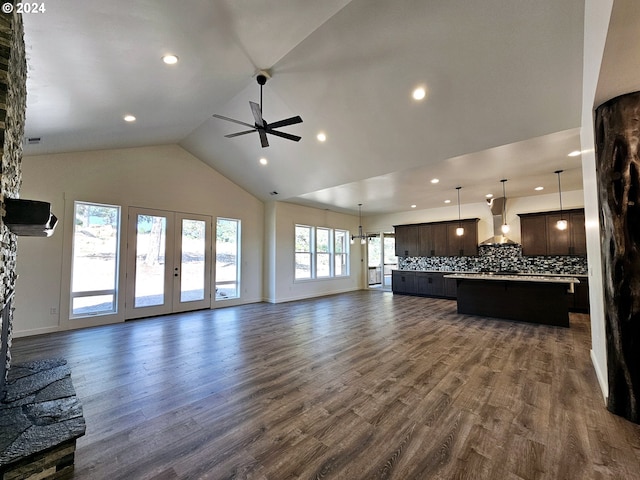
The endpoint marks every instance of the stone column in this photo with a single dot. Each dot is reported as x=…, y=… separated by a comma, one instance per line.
x=617, y=129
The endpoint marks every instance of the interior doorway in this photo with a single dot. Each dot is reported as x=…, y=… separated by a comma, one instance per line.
x=381, y=260
x=168, y=262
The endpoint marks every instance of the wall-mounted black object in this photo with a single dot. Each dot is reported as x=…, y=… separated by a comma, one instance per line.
x=29, y=218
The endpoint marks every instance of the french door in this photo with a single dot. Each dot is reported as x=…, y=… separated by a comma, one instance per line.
x=168, y=262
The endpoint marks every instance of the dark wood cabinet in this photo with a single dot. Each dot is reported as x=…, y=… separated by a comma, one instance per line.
x=403, y=282
x=450, y=287
x=437, y=239
x=426, y=284
x=430, y=284
x=465, y=244
x=407, y=240
x=533, y=234
x=433, y=240
x=580, y=296
x=557, y=240
x=540, y=236
x=578, y=233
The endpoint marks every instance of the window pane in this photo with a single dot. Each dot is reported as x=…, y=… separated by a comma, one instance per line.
x=340, y=241
x=227, y=258
x=150, y=257
x=303, y=265
x=303, y=239
x=322, y=240
x=96, y=236
x=192, y=270
x=93, y=305
x=340, y=267
x=323, y=268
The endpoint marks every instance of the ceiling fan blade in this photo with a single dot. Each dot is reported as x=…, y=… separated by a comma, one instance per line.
x=231, y=135
x=257, y=114
x=286, y=122
x=232, y=120
x=288, y=136
x=263, y=137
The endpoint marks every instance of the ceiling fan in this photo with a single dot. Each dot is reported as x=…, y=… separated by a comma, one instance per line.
x=261, y=126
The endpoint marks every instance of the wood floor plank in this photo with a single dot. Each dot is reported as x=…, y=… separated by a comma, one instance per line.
x=364, y=385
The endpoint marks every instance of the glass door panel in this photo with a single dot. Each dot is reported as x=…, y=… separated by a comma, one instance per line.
x=151, y=244
x=192, y=260
x=192, y=276
x=169, y=266
x=390, y=261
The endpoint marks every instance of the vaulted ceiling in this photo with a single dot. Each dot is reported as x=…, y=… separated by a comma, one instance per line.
x=503, y=81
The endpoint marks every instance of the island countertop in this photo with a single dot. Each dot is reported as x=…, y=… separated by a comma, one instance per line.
x=515, y=277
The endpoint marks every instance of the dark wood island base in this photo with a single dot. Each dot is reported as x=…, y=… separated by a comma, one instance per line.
x=524, y=299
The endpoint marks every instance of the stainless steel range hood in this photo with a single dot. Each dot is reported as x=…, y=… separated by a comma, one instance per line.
x=497, y=206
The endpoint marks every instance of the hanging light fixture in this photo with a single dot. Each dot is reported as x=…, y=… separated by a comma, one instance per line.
x=505, y=227
x=361, y=236
x=459, y=230
x=562, y=223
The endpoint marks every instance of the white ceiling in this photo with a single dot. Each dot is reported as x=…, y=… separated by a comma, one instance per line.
x=504, y=81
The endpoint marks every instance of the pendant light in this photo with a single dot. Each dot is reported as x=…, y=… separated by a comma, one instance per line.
x=459, y=230
x=562, y=223
x=505, y=227
x=361, y=236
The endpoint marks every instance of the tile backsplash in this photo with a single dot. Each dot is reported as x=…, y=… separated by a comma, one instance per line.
x=496, y=258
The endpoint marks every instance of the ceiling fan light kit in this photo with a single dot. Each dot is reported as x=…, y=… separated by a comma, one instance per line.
x=261, y=125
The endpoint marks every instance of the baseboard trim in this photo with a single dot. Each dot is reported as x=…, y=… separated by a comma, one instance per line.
x=602, y=380
x=35, y=331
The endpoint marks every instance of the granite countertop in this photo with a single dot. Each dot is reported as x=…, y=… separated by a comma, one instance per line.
x=517, y=277
x=522, y=274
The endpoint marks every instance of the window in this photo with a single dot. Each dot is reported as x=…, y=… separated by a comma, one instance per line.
x=227, y=258
x=341, y=253
x=323, y=252
x=94, y=269
x=303, y=252
x=320, y=252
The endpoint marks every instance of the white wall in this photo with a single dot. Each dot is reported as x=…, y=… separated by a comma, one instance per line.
x=285, y=287
x=160, y=177
x=537, y=203
x=596, y=24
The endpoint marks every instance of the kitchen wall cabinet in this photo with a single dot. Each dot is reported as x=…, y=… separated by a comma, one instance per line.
x=540, y=236
x=433, y=240
x=463, y=245
x=407, y=240
x=437, y=239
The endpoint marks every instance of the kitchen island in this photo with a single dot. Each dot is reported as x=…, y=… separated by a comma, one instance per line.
x=522, y=297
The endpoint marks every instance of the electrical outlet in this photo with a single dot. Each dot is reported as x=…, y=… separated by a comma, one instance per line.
x=53, y=311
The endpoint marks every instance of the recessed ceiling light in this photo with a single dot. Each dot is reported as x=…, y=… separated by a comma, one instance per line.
x=447, y=201
x=575, y=153
x=419, y=93
x=539, y=188
x=263, y=161
x=413, y=206
x=321, y=137
x=489, y=195
x=129, y=118
x=170, y=59
x=435, y=180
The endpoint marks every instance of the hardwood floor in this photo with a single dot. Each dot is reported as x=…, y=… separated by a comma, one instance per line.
x=364, y=385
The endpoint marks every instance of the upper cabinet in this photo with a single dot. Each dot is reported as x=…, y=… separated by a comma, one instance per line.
x=437, y=239
x=465, y=245
x=407, y=241
x=541, y=237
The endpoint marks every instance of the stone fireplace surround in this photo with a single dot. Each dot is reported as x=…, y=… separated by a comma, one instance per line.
x=40, y=415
